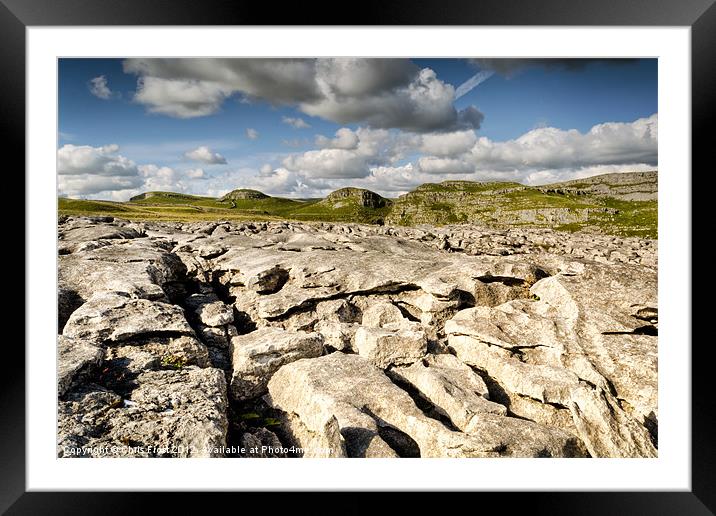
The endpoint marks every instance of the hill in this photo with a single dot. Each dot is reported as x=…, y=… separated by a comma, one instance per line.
x=621, y=204
x=168, y=197
x=631, y=186
x=347, y=205
x=243, y=194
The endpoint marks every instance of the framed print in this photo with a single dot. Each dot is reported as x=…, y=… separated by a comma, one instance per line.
x=440, y=243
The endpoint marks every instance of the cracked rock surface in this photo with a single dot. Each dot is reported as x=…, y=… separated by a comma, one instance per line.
x=282, y=339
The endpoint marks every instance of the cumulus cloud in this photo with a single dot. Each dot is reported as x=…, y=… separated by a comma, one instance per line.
x=351, y=154
x=99, y=88
x=552, y=148
x=424, y=104
x=83, y=170
x=345, y=139
x=296, y=123
x=196, y=173
x=101, y=172
x=204, y=154
x=161, y=178
x=338, y=163
x=180, y=98
x=276, y=80
x=98, y=161
x=381, y=93
x=358, y=77
x=444, y=166
x=252, y=134
x=543, y=177
x=277, y=182
x=84, y=185
x=448, y=144
x=389, y=162
x=376, y=159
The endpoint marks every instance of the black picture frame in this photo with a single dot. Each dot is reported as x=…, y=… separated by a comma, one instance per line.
x=700, y=15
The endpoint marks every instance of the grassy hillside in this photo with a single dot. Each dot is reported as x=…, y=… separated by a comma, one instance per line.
x=346, y=205
x=511, y=204
x=156, y=210
x=631, y=210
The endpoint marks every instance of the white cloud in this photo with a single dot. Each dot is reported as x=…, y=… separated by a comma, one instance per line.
x=83, y=185
x=377, y=159
x=544, y=177
x=551, y=148
x=448, y=144
x=278, y=182
x=350, y=154
x=381, y=93
x=276, y=80
x=161, y=178
x=99, y=161
x=101, y=172
x=393, y=181
x=196, y=173
x=99, y=88
x=345, y=139
x=389, y=162
x=338, y=163
x=204, y=154
x=296, y=123
x=424, y=104
x=252, y=134
x=446, y=166
x=359, y=77
x=180, y=98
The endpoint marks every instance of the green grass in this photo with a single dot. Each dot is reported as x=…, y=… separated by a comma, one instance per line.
x=635, y=218
x=533, y=198
x=163, y=198
x=158, y=212
x=450, y=202
x=347, y=210
x=466, y=186
x=82, y=207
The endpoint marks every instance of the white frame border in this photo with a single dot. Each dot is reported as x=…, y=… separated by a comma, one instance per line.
x=671, y=471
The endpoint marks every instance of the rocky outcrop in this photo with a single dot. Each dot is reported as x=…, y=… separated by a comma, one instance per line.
x=76, y=360
x=365, y=402
x=359, y=196
x=258, y=355
x=344, y=340
x=630, y=186
x=115, y=317
x=243, y=194
x=391, y=345
x=455, y=390
x=178, y=413
x=618, y=204
x=579, y=345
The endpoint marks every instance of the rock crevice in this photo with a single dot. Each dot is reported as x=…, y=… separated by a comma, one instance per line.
x=209, y=339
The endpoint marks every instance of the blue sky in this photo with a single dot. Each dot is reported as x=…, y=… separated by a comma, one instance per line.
x=131, y=125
